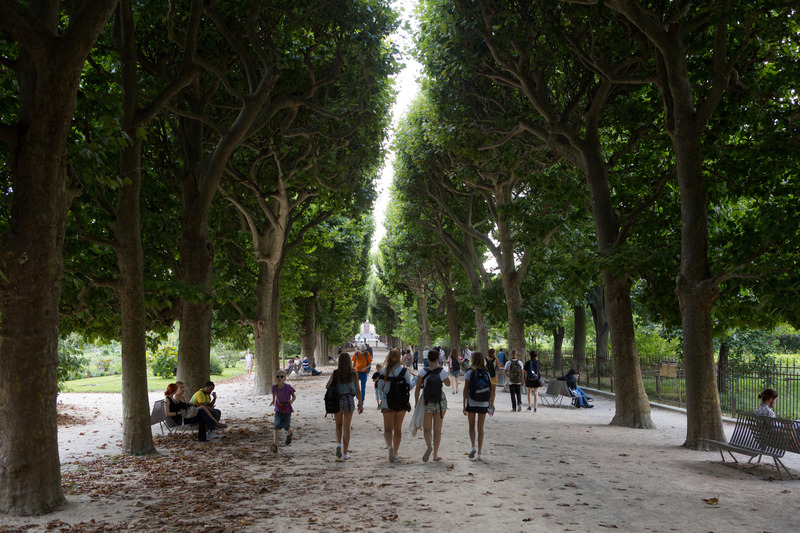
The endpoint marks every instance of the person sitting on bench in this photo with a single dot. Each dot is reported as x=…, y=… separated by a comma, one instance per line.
x=579, y=398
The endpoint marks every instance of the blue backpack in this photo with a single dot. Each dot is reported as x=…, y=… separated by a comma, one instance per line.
x=480, y=385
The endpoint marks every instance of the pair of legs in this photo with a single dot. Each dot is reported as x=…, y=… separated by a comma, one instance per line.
x=282, y=421
x=454, y=379
x=516, y=396
x=393, y=431
x=535, y=391
x=362, y=377
x=343, y=430
x=432, y=431
x=472, y=434
x=205, y=422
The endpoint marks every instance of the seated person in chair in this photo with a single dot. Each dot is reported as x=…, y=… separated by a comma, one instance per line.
x=179, y=411
x=208, y=398
x=579, y=398
x=308, y=368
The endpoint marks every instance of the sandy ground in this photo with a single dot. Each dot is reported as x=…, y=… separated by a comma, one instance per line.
x=559, y=469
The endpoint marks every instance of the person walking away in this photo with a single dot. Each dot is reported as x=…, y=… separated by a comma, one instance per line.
x=362, y=362
x=248, y=361
x=478, y=401
x=513, y=371
x=394, y=386
x=431, y=382
x=283, y=396
x=493, y=367
x=346, y=380
x=455, y=369
x=533, y=379
x=502, y=359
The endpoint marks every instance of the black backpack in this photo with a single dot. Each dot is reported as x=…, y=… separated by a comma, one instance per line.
x=397, y=399
x=432, y=386
x=480, y=385
x=332, y=397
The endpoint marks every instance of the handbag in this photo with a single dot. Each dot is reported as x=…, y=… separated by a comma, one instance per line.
x=190, y=412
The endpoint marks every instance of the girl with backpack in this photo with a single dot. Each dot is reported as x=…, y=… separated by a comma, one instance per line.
x=394, y=386
x=431, y=381
x=347, y=387
x=533, y=379
x=478, y=401
x=455, y=368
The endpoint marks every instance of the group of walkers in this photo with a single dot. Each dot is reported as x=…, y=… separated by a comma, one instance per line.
x=393, y=383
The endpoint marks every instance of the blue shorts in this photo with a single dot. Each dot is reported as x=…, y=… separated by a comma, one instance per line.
x=283, y=421
x=455, y=373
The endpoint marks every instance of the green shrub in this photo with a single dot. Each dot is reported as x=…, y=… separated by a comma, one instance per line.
x=163, y=362
x=291, y=349
x=229, y=357
x=215, y=365
x=70, y=364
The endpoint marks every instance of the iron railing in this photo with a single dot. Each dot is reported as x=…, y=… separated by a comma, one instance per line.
x=664, y=381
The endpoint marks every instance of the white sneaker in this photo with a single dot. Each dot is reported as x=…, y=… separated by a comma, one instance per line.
x=346, y=456
x=479, y=458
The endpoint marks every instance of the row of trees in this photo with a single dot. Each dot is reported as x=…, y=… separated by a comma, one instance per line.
x=210, y=163
x=663, y=132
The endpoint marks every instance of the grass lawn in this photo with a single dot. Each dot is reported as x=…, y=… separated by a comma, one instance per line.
x=114, y=383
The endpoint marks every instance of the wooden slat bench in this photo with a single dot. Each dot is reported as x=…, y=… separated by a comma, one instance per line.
x=755, y=436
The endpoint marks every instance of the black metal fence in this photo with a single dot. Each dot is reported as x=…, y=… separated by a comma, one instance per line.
x=664, y=382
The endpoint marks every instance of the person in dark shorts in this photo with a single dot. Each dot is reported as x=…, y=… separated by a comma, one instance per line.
x=478, y=401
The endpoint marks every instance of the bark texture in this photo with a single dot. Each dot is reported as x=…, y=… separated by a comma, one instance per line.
x=48, y=68
x=579, y=343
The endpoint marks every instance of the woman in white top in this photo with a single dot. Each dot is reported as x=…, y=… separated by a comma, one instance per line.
x=392, y=419
x=434, y=409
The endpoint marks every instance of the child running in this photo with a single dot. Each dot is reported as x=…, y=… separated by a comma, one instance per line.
x=375, y=376
x=283, y=397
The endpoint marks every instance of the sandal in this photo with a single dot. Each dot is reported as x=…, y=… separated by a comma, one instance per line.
x=288, y=439
x=273, y=448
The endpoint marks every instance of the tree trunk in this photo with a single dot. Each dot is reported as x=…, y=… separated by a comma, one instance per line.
x=696, y=295
x=481, y=331
x=308, y=338
x=511, y=280
x=266, y=330
x=632, y=403
x=452, y=319
x=425, y=328
x=579, y=342
x=194, y=339
x=30, y=477
x=137, y=437
x=48, y=76
x=558, y=342
x=598, y=308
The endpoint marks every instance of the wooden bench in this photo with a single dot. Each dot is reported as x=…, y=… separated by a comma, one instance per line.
x=756, y=436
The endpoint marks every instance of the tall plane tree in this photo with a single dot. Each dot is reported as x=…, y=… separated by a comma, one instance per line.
x=44, y=47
